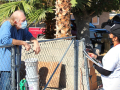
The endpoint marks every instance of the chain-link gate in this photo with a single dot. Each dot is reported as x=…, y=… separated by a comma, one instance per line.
x=61, y=65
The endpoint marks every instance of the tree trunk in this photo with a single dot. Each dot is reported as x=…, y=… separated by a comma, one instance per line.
x=63, y=28
x=50, y=26
x=82, y=24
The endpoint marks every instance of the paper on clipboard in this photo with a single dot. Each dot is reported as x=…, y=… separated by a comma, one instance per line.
x=93, y=60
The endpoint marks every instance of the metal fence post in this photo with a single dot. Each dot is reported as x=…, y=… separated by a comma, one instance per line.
x=86, y=67
x=13, y=67
x=18, y=66
x=76, y=64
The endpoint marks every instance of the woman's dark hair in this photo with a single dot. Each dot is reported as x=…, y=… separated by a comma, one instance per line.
x=117, y=37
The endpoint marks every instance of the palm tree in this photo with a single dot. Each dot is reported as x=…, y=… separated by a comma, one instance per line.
x=63, y=8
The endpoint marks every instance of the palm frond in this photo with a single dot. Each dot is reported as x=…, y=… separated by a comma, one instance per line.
x=79, y=5
x=27, y=8
x=7, y=9
x=73, y=2
x=38, y=15
x=32, y=11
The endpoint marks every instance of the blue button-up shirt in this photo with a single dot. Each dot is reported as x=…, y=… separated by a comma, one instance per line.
x=7, y=34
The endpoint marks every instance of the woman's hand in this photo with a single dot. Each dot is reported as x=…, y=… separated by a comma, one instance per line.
x=92, y=55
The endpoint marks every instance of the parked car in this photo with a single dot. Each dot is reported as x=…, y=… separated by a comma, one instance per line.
x=96, y=37
x=37, y=32
x=96, y=33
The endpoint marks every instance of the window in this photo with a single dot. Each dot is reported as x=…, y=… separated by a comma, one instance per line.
x=95, y=20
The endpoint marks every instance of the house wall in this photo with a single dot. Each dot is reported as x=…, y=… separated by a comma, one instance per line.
x=102, y=18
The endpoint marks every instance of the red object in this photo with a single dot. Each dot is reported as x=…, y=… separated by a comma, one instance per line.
x=90, y=55
x=95, y=34
x=36, y=31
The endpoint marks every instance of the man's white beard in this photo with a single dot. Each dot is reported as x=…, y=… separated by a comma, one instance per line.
x=18, y=26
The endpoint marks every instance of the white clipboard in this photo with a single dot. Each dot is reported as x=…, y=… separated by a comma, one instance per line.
x=93, y=60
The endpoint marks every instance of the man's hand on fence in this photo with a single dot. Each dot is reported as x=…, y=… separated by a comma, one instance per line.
x=36, y=47
x=27, y=46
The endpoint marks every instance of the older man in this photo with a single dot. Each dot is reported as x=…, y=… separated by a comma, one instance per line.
x=13, y=31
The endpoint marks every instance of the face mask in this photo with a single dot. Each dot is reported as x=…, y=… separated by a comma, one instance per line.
x=23, y=25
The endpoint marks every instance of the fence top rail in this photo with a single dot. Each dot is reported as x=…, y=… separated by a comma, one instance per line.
x=54, y=39
x=10, y=45
x=7, y=45
x=82, y=40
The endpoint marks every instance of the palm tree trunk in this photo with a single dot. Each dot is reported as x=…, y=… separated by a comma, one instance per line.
x=63, y=28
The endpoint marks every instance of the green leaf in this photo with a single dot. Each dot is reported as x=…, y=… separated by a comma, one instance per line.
x=38, y=15
x=73, y=2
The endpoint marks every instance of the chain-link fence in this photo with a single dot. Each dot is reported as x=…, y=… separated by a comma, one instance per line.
x=60, y=65
x=7, y=57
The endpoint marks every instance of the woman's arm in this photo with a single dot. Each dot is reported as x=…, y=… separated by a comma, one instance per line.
x=101, y=70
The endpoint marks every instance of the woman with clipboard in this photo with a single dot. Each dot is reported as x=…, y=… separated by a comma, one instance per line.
x=110, y=71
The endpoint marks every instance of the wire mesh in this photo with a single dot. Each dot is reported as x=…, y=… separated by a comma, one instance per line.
x=82, y=74
x=47, y=60
x=49, y=57
x=5, y=68
x=94, y=77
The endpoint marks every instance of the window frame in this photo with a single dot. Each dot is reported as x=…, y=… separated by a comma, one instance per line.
x=97, y=21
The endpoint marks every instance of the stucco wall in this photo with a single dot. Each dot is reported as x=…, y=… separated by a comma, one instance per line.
x=103, y=18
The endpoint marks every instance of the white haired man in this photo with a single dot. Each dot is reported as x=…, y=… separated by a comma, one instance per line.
x=13, y=31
